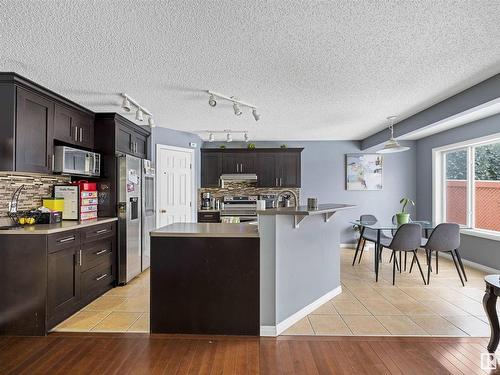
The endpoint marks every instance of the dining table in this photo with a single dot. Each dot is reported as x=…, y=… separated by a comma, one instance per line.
x=380, y=226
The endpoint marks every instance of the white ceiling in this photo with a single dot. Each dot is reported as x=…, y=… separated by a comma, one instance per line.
x=316, y=69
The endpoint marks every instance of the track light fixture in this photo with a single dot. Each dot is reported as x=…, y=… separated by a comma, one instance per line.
x=255, y=114
x=126, y=104
x=228, y=133
x=237, y=104
x=229, y=137
x=246, y=137
x=140, y=110
x=211, y=137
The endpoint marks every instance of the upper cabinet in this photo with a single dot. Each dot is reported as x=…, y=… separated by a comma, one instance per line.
x=73, y=127
x=278, y=168
x=33, y=118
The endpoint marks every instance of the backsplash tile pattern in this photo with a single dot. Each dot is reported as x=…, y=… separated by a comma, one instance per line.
x=241, y=188
x=36, y=187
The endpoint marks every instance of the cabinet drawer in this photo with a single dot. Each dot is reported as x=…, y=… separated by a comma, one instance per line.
x=96, y=279
x=208, y=217
x=63, y=240
x=97, y=253
x=97, y=232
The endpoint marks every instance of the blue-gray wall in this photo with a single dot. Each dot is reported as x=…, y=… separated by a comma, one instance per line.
x=475, y=249
x=323, y=176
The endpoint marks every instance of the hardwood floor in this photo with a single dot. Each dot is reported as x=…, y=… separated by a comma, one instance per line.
x=101, y=353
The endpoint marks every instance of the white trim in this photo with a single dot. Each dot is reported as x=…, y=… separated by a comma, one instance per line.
x=471, y=142
x=490, y=235
x=194, y=188
x=477, y=266
x=269, y=331
x=302, y=313
x=347, y=245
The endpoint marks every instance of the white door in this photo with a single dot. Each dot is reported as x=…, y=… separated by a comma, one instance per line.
x=174, y=184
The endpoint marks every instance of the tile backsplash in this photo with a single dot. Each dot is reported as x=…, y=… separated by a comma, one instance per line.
x=241, y=188
x=36, y=187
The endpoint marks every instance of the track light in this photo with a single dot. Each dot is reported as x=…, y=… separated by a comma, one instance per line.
x=237, y=110
x=211, y=101
x=211, y=137
x=246, y=137
x=138, y=115
x=126, y=104
x=255, y=114
x=151, y=121
x=229, y=138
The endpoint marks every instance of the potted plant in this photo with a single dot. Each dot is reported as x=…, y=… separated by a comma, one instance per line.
x=251, y=146
x=403, y=217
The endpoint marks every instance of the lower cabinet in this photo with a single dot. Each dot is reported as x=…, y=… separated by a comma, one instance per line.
x=81, y=267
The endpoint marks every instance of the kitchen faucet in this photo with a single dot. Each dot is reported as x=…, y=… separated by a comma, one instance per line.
x=283, y=192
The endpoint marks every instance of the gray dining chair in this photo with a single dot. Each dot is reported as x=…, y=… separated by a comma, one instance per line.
x=366, y=234
x=445, y=238
x=423, y=241
x=406, y=239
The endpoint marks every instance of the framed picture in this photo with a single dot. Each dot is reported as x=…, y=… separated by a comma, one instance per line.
x=363, y=171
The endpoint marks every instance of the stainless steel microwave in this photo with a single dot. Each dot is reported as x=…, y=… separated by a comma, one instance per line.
x=73, y=161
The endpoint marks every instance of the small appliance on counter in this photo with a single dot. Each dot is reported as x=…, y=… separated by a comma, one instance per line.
x=49, y=217
x=270, y=200
x=205, y=201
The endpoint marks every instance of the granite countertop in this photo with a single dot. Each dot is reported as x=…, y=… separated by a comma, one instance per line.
x=304, y=211
x=56, y=228
x=206, y=230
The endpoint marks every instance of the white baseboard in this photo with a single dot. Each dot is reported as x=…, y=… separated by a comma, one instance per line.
x=302, y=313
x=268, y=331
x=477, y=266
x=368, y=246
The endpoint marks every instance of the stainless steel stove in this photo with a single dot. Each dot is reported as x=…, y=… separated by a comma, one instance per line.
x=241, y=208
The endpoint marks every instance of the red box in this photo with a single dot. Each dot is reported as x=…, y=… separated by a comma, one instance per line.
x=85, y=185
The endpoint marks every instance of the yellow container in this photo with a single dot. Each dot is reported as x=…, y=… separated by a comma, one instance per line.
x=54, y=204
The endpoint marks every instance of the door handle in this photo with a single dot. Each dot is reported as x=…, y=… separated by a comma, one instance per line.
x=101, y=277
x=163, y=211
x=101, y=252
x=72, y=238
x=80, y=257
x=101, y=231
x=76, y=134
x=276, y=181
x=241, y=167
x=280, y=181
x=81, y=134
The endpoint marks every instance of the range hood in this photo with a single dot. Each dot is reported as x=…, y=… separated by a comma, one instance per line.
x=238, y=177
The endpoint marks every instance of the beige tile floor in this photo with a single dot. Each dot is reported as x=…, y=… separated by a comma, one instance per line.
x=443, y=308
x=121, y=309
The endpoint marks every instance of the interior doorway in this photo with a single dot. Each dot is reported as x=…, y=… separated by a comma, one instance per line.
x=175, y=184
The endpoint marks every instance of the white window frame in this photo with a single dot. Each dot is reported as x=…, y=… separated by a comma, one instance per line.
x=438, y=184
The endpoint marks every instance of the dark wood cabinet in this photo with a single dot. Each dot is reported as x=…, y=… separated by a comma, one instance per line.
x=63, y=285
x=209, y=217
x=274, y=167
x=32, y=119
x=129, y=141
x=34, y=138
x=211, y=168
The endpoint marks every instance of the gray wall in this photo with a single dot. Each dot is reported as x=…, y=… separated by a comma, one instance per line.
x=476, y=249
x=323, y=176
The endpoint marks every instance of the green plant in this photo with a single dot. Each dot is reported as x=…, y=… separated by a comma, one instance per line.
x=405, y=202
x=222, y=147
x=283, y=146
x=251, y=146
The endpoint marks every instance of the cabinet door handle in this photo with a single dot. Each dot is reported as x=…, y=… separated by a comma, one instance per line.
x=76, y=134
x=81, y=134
x=67, y=239
x=101, y=252
x=280, y=182
x=80, y=257
x=276, y=181
x=101, y=277
x=131, y=146
x=241, y=167
x=101, y=231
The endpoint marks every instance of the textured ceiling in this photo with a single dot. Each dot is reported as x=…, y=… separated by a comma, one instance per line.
x=316, y=69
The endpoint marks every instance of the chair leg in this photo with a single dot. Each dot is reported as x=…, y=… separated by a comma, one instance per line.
x=362, y=249
x=357, y=250
x=418, y=264
x=394, y=267
x=459, y=258
x=428, y=257
x=437, y=257
x=412, y=263
x=400, y=263
x=405, y=260
x=456, y=266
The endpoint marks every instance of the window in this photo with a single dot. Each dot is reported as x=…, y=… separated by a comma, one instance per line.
x=467, y=185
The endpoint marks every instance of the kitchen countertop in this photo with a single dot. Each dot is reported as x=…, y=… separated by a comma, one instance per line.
x=206, y=230
x=56, y=228
x=304, y=211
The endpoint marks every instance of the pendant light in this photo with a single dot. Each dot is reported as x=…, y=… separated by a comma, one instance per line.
x=392, y=145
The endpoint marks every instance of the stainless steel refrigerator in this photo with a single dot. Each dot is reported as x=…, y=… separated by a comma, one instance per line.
x=148, y=211
x=129, y=217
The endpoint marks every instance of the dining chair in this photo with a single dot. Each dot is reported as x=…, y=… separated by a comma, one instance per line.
x=445, y=238
x=406, y=239
x=366, y=234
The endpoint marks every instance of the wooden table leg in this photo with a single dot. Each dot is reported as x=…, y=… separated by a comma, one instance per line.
x=489, y=304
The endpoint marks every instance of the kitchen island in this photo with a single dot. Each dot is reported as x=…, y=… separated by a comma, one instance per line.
x=236, y=279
